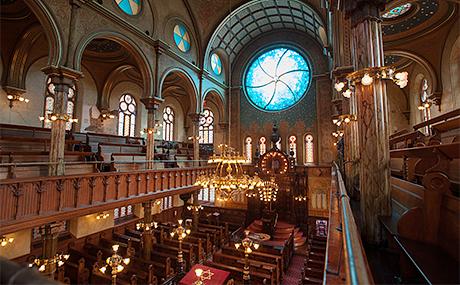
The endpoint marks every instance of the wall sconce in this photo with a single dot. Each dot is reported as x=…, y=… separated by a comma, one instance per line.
x=195, y=208
x=4, y=241
x=300, y=198
x=346, y=118
x=147, y=131
x=16, y=98
x=191, y=138
x=337, y=134
x=50, y=117
x=102, y=216
x=106, y=114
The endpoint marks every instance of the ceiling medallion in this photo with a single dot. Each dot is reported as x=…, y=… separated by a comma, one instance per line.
x=397, y=11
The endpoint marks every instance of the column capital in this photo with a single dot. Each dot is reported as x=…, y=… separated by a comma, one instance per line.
x=360, y=10
x=152, y=103
x=62, y=74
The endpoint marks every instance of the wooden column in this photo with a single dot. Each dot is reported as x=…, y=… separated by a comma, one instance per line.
x=372, y=115
x=62, y=79
x=151, y=104
x=195, y=213
x=147, y=237
x=195, y=137
x=49, y=249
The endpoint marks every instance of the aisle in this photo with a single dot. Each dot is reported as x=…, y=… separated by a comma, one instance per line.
x=294, y=272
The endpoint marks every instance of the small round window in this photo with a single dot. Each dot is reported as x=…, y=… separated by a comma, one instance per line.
x=130, y=7
x=277, y=79
x=216, y=64
x=181, y=38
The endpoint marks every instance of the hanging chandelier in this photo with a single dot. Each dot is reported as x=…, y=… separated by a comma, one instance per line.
x=228, y=179
x=268, y=191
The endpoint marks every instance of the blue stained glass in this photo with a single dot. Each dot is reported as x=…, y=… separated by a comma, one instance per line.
x=181, y=38
x=130, y=7
x=216, y=64
x=397, y=11
x=277, y=79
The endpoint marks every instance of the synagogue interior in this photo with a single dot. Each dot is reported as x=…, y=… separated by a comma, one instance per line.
x=226, y=142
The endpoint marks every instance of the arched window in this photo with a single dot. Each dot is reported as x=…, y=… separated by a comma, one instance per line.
x=309, y=148
x=293, y=146
x=126, y=116
x=206, y=128
x=248, y=149
x=425, y=103
x=49, y=103
x=168, y=124
x=262, y=145
x=278, y=144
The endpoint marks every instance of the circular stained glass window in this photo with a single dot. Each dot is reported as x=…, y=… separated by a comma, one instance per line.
x=277, y=79
x=397, y=11
x=181, y=38
x=130, y=7
x=216, y=64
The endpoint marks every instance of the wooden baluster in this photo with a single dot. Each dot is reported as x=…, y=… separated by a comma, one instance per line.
x=17, y=191
x=147, y=183
x=39, y=187
x=76, y=186
x=117, y=185
x=138, y=187
x=92, y=185
x=128, y=182
x=60, y=188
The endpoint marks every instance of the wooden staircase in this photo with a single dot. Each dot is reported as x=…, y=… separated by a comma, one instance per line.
x=282, y=232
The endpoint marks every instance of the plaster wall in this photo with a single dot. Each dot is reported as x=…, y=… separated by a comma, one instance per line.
x=87, y=225
x=20, y=245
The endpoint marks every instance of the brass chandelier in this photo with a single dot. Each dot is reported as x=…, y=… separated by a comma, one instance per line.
x=228, y=179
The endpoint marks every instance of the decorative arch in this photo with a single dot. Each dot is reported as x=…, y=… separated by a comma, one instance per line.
x=111, y=82
x=218, y=99
x=50, y=27
x=18, y=66
x=191, y=88
x=423, y=62
x=141, y=59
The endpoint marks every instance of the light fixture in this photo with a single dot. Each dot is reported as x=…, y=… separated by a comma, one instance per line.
x=367, y=79
x=194, y=208
x=44, y=264
x=106, y=114
x=247, y=246
x=4, y=241
x=146, y=226
x=102, y=216
x=116, y=262
x=181, y=233
x=51, y=117
x=339, y=86
x=16, y=98
x=401, y=79
x=347, y=93
x=228, y=179
x=300, y=198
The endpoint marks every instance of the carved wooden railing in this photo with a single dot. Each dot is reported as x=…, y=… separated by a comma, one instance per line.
x=346, y=261
x=34, y=201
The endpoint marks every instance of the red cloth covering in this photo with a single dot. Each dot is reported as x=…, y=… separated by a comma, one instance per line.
x=218, y=276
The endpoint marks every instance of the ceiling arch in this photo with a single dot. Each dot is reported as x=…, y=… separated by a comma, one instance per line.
x=257, y=17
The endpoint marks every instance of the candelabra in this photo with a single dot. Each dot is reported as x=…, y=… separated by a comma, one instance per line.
x=16, y=98
x=49, y=264
x=146, y=226
x=116, y=262
x=49, y=117
x=202, y=275
x=247, y=245
x=102, y=216
x=181, y=232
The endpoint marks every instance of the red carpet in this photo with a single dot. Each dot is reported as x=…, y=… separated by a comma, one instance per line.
x=294, y=273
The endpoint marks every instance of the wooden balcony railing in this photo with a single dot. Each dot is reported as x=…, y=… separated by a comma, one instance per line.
x=30, y=202
x=346, y=261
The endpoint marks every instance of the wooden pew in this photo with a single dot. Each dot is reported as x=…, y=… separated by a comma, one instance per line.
x=256, y=266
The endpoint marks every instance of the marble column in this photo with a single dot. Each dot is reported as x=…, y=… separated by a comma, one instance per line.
x=147, y=237
x=195, y=137
x=151, y=104
x=62, y=79
x=372, y=115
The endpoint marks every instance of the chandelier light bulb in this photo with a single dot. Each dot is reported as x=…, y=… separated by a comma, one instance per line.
x=347, y=93
x=115, y=247
x=346, y=120
x=103, y=269
x=21, y=99
x=10, y=97
x=339, y=86
x=367, y=79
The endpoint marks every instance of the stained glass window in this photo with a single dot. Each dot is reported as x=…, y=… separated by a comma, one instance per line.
x=216, y=64
x=181, y=38
x=277, y=79
x=293, y=146
x=49, y=103
x=130, y=7
x=206, y=128
x=397, y=11
x=168, y=124
x=309, y=149
x=126, y=116
x=262, y=145
x=248, y=149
